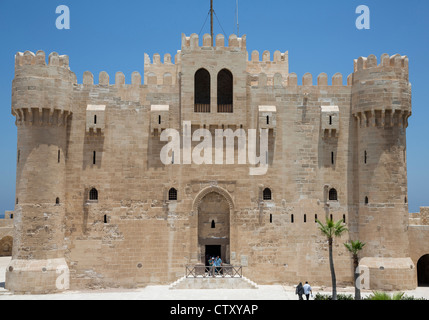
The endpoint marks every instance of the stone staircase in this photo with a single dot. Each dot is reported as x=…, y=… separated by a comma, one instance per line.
x=217, y=282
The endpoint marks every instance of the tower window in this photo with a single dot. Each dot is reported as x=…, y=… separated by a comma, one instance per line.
x=95, y=119
x=330, y=120
x=225, y=91
x=213, y=224
x=267, y=194
x=105, y=218
x=57, y=201
x=315, y=218
x=202, y=91
x=305, y=218
x=19, y=155
x=331, y=217
x=59, y=156
x=93, y=194
x=366, y=200
x=271, y=218
x=268, y=119
x=172, y=194
x=94, y=157
x=332, y=157
x=365, y=157
x=159, y=119
x=333, y=196
x=291, y=218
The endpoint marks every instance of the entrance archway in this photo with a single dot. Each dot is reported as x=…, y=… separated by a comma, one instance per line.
x=423, y=271
x=214, y=227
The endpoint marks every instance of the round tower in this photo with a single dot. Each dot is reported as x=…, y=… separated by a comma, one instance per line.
x=42, y=104
x=381, y=105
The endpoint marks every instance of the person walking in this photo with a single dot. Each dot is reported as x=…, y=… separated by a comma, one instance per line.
x=307, y=290
x=299, y=290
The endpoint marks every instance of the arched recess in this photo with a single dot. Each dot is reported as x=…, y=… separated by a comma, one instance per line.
x=212, y=209
x=225, y=91
x=202, y=91
x=423, y=271
x=6, y=246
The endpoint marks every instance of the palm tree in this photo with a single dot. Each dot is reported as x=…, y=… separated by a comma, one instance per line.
x=354, y=247
x=332, y=229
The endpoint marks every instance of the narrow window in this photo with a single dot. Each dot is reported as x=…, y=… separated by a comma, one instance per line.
x=291, y=218
x=271, y=218
x=19, y=155
x=330, y=120
x=365, y=157
x=11, y=216
x=159, y=119
x=202, y=91
x=315, y=218
x=225, y=91
x=333, y=195
x=17, y=201
x=59, y=156
x=172, y=194
x=267, y=194
x=57, y=201
x=105, y=218
x=332, y=157
x=344, y=218
x=331, y=217
x=213, y=224
x=366, y=200
x=95, y=119
x=93, y=194
x=305, y=218
x=405, y=200
x=268, y=119
x=94, y=157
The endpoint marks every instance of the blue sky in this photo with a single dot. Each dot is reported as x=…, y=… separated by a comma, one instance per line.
x=320, y=36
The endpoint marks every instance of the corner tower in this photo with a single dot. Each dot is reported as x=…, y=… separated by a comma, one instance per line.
x=42, y=105
x=381, y=105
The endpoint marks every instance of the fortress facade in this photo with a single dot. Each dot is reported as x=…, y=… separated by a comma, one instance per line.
x=96, y=206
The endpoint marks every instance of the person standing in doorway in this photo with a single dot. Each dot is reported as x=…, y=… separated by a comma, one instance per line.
x=307, y=290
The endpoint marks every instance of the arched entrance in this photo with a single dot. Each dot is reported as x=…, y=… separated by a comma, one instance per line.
x=214, y=227
x=6, y=246
x=423, y=271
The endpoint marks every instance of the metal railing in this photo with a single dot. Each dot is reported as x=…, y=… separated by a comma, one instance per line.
x=224, y=108
x=203, y=108
x=196, y=271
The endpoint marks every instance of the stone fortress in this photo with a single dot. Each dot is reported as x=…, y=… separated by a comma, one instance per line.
x=95, y=204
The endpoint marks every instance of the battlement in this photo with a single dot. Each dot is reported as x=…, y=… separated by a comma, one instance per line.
x=193, y=43
x=370, y=62
x=291, y=80
x=279, y=63
x=29, y=58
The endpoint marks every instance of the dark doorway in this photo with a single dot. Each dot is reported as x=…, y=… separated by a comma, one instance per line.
x=423, y=271
x=212, y=251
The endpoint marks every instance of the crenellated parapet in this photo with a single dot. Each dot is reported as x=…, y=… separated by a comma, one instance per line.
x=277, y=80
x=381, y=92
x=159, y=72
x=42, y=92
x=192, y=43
x=279, y=63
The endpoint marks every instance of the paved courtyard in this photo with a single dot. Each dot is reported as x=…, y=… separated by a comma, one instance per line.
x=268, y=292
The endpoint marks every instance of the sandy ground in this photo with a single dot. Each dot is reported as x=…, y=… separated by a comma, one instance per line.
x=270, y=292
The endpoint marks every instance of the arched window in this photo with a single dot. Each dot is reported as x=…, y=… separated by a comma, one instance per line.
x=267, y=194
x=172, y=194
x=202, y=91
x=333, y=196
x=57, y=201
x=213, y=224
x=93, y=194
x=224, y=91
